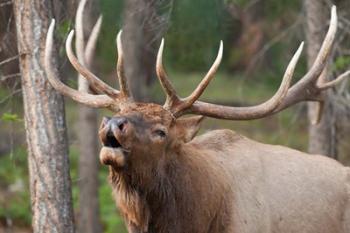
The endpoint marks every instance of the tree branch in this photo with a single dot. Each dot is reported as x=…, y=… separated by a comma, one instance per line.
x=8, y=60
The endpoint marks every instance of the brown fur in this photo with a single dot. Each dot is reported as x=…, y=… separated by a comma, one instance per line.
x=219, y=182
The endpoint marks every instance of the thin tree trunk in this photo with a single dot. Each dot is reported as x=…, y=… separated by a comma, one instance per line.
x=44, y=117
x=142, y=30
x=322, y=137
x=8, y=46
x=88, y=217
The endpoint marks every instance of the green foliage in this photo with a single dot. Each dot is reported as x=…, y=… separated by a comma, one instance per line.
x=10, y=117
x=14, y=197
x=194, y=33
x=240, y=3
x=73, y=159
x=276, y=9
x=109, y=214
x=112, y=12
x=110, y=218
x=341, y=63
x=63, y=28
x=195, y=30
x=4, y=92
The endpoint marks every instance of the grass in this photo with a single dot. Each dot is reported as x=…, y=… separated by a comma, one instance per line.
x=287, y=128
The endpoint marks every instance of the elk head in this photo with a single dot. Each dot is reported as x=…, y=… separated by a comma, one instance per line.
x=141, y=135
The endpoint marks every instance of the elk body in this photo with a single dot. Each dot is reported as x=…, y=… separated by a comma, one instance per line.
x=166, y=179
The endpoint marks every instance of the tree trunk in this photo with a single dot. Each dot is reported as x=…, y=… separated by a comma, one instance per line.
x=88, y=217
x=50, y=184
x=251, y=37
x=142, y=30
x=322, y=137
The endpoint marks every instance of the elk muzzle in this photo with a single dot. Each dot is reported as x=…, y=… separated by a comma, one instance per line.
x=111, y=133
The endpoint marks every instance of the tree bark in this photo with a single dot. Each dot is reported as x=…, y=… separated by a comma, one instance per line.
x=89, y=214
x=44, y=116
x=322, y=136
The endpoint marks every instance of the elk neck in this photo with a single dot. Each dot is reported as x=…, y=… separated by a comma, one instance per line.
x=162, y=194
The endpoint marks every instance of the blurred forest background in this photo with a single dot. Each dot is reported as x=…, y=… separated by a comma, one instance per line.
x=260, y=37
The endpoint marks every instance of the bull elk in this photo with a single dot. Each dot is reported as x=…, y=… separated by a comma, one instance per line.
x=167, y=179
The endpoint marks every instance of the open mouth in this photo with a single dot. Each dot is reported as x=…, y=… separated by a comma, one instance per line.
x=112, y=152
x=111, y=141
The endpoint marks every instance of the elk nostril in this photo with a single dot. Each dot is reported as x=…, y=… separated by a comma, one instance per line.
x=119, y=122
x=121, y=126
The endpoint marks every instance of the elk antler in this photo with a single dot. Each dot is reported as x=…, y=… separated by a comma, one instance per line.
x=120, y=70
x=306, y=89
x=173, y=102
x=110, y=97
x=85, y=53
x=311, y=85
x=79, y=64
x=180, y=106
x=96, y=101
x=94, y=81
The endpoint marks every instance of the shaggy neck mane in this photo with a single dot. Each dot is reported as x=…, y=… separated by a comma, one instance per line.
x=166, y=198
x=146, y=199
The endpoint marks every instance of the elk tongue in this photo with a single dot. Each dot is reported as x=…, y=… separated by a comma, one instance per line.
x=112, y=156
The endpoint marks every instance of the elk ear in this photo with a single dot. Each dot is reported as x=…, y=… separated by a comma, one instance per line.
x=187, y=128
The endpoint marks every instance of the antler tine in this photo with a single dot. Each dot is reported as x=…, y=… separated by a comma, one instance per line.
x=95, y=101
x=83, y=84
x=253, y=112
x=91, y=43
x=337, y=80
x=79, y=37
x=316, y=118
x=98, y=84
x=123, y=82
x=85, y=53
x=325, y=50
x=171, y=96
x=187, y=102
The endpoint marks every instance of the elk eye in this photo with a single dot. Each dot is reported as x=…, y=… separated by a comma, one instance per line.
x=160, y=133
